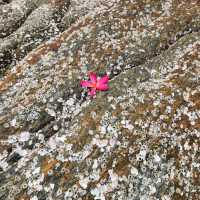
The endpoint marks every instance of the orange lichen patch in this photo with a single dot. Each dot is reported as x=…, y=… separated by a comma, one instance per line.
x=180, y=11
x=166, y=91
x=122, y=167
x=87, y=21
x=184, y=122
x=141, y=111
x=177, y=81
x=66, y=167
x=176, y=104
x=67, y=176
x=28, y=100
x=42, y=50
x=191, y=56
x=9, y=79
x=23, y=197
x=103, y=176
x=144, y=107
x=87, y=121
x=55, y=45
x=197, y=123
x=195, y=99
x=35, y=57
x=196, y=177
x=4, y=147
x=117, y=111
x=48, y=164
x=173, y=153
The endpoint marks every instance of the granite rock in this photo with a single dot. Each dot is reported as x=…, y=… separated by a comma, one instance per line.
x=138, y=140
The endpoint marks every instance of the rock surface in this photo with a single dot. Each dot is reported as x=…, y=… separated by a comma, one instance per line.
x=139, y=140
x=24, y=24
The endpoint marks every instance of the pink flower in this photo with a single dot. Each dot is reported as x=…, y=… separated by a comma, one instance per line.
x=95, y=83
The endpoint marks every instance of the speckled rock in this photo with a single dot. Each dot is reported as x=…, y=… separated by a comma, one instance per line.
x=25, y=24
x=139, y=140
x=100, y=43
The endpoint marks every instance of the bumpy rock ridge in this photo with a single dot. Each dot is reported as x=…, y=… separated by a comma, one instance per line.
x=24, y=24
x=139, y=140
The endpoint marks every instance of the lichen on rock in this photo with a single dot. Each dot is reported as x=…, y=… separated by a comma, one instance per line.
x=139, y=139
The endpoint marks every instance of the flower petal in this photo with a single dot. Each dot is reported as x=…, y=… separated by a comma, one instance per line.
x=93, y=76
x=92, y=92
x=85, y=84
x=102, y=87
x=104, y=79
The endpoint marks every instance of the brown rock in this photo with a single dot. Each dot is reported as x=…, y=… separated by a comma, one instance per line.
x=139, y=140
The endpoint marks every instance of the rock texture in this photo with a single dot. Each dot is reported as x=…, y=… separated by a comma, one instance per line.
x=139, y=140
x=24, y=24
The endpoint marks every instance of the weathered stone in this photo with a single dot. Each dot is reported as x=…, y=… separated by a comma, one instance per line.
x=101, y=43
x=139, y=140
x=24, y=24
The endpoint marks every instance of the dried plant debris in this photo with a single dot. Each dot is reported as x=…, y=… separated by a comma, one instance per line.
x=138, y=140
